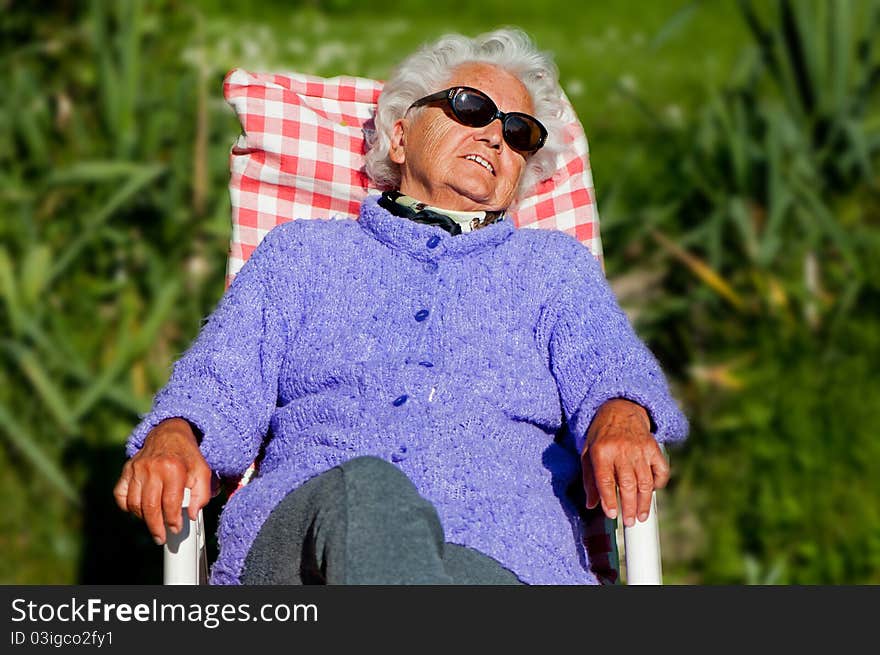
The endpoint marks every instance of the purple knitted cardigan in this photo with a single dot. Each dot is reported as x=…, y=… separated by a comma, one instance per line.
x=474, y=362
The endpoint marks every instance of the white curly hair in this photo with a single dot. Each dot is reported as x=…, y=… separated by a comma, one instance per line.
x=429, y=68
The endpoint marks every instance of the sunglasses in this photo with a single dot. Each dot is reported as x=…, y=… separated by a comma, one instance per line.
x=475, y=109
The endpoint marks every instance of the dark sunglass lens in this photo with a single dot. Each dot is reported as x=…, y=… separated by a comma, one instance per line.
x=522, y=133
x=473, y=109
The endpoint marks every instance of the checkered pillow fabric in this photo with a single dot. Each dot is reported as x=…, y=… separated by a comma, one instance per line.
x=301, y=155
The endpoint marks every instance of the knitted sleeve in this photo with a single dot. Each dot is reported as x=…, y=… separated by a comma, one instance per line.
x=226, y=383
x=595, y=355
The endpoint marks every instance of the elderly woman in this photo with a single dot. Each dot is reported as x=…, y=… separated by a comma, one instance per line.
x=426, y=387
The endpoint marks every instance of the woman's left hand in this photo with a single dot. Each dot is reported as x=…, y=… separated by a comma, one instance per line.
x=622, y=454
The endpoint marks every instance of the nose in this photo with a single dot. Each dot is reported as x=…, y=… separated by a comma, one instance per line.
x=492, y=134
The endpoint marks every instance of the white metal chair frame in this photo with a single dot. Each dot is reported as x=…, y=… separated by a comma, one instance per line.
x=186, y=561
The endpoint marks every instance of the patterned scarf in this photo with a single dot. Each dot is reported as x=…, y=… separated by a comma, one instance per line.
x=454, y=222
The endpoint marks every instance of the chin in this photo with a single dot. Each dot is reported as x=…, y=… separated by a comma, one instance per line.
x=476, y=200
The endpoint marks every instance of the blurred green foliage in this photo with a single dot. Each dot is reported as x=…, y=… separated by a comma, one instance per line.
x=769, y=314
x=735, y=151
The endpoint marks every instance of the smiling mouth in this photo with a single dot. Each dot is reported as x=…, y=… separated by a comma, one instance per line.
x=482, y=162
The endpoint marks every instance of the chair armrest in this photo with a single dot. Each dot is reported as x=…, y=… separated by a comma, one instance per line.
x=642, y=548
x=186, y=561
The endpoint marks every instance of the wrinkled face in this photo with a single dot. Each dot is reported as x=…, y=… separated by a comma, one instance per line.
x=447, y=164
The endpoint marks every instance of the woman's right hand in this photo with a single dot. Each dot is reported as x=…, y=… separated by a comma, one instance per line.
x=152, y=482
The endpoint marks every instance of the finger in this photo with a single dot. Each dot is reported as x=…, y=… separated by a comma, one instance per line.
x=120, y=491
x=590, y=491
x=151, y=505
x=645, y=486
x=627, y=487
x=603, y=473
x=172, y=500
x=199, y=484
x=660, y=469
x=135, y=491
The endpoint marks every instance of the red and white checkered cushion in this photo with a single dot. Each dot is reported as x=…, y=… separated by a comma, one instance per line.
x=301, y=155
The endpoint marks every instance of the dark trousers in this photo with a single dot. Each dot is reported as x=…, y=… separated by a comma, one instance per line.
x=363, y=522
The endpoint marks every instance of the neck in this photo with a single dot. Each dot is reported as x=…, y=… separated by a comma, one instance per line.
x=453, y=221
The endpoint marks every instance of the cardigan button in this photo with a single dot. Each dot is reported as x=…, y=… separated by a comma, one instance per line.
x=400, y=400
x=431, y=267
x=421, y=315
x=433, y=241
x=426, y=364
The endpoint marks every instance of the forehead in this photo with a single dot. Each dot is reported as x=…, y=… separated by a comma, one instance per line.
x=504, y=88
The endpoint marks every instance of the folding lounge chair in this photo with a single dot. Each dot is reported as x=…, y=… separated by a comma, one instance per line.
x=300, y=155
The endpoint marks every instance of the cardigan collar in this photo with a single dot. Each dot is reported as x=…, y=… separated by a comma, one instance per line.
x=413, y=238
x=454, y=222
